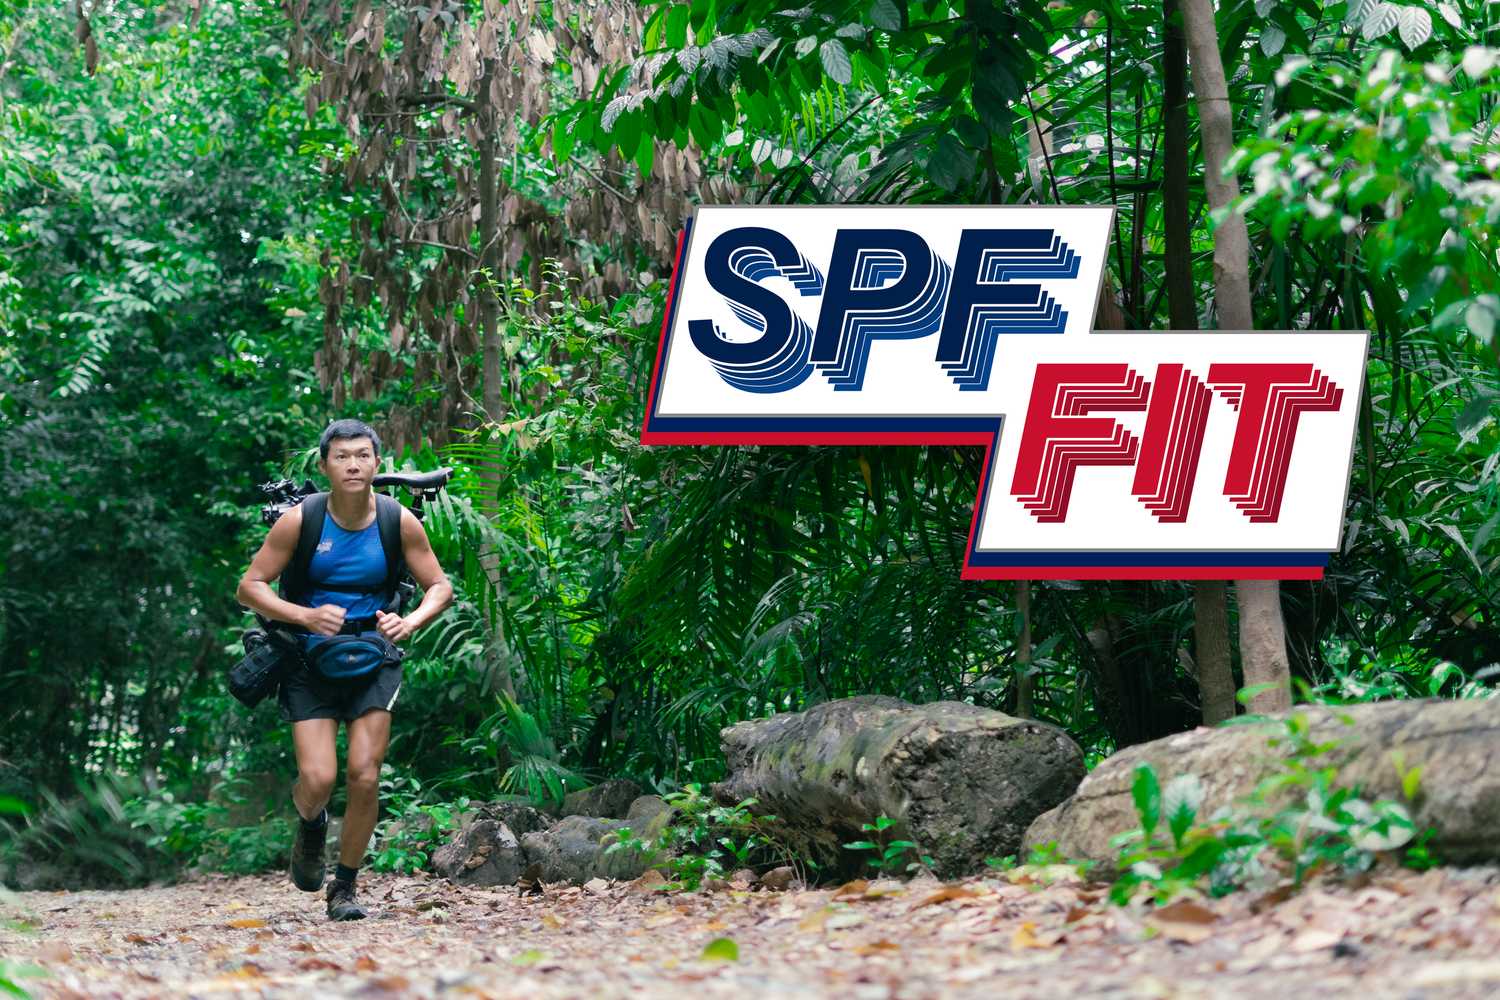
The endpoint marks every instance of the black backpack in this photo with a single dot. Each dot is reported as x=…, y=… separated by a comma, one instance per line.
x=294, y=585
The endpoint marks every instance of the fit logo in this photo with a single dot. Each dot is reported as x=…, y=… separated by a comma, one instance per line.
x=1065, y=429
x=1140, y=455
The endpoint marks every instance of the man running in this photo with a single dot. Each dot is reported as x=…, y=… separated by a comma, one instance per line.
x=344, y=593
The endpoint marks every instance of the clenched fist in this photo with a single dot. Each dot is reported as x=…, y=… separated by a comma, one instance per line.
x=325, y=619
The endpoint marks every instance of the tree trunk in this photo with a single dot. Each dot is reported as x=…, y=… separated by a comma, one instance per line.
x=1210, y=604
x=1182, y=309
x=1211, y=651
x=1263, y=645
x=1025, y=683
x=963, y=782
x=1262, y=635
x=489, y=248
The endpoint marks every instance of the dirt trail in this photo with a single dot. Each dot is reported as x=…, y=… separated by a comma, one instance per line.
x=1396, y=934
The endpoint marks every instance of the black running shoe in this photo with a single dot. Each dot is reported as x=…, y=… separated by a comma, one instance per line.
x=307, y=855
x=341, y=904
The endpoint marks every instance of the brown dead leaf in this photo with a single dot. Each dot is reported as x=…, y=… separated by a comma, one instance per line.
x=715, y=925
x=649, y=881
x=949, y=892
x=1025, y=937
x=1184, y=921
x=389, y=984
x=551, y=921
x=365, y=963
x=597, y=886
x=304, y=946
x=1185, y=911
x=254, y=949
x=876, y=947
x=314, y=963
x=852, y=890
x=134, y=938
x=1076, y=913
x=247, y=922
x=56, y=952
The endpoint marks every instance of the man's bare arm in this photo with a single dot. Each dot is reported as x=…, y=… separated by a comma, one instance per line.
x=437, y=592
x=270, y=562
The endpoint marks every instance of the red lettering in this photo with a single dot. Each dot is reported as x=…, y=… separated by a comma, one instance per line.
x=1270, y=398
x=1058, y=438
x=1171, y=443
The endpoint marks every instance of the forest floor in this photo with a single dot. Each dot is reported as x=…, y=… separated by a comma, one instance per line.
x=1387, y=934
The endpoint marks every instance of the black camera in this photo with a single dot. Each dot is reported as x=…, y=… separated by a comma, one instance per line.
x=283, y=497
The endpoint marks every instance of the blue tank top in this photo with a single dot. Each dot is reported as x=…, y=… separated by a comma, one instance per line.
x=348, y=569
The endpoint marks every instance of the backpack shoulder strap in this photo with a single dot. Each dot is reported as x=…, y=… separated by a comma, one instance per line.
x=294, y=577
x=388, y=511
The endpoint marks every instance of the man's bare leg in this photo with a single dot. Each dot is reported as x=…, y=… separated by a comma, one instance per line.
x=368, y=737
x=317, y=761
x=317, y=764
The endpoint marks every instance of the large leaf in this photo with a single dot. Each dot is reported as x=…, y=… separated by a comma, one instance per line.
x=836, y=61
x=1416, y=26
x=886, y=14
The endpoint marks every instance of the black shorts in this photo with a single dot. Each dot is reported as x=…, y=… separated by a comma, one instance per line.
x=306, y=694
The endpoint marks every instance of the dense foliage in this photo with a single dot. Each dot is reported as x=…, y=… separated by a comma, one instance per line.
x=194, y=228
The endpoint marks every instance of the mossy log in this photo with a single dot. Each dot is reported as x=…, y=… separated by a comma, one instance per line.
x=1455, y=746
x=962, y=782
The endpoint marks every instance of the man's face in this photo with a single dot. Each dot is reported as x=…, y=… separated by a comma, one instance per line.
x=350, y=464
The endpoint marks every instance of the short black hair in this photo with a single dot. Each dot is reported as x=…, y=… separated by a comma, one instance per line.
x=343, y=430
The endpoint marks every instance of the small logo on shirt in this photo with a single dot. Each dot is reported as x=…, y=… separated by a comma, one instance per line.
x=325, y=546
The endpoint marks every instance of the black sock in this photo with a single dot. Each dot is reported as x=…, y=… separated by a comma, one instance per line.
x=343, y=873
x=314, y=825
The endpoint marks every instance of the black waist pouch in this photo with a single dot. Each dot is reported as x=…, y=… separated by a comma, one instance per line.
x=258, y=674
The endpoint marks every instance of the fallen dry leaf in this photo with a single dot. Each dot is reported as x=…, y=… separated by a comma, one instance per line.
x=247, y=922
x=649, y=881
x=1314, y=939
x=314, y=963
x=852, y=890
x=876, y=947
x=1025, y=937
x=1184, y=921
x=1185, y=911
x=949, y=892
x=56, y=952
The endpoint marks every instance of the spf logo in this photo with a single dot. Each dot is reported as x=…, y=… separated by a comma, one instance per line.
x=881, y=284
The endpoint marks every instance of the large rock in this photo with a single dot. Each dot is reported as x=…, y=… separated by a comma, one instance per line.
x=963, y=782
x=1456, y=743
x=648, y=816
x=485, y=852
x=576, y=849
x=486, y=849
x=608, y=798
